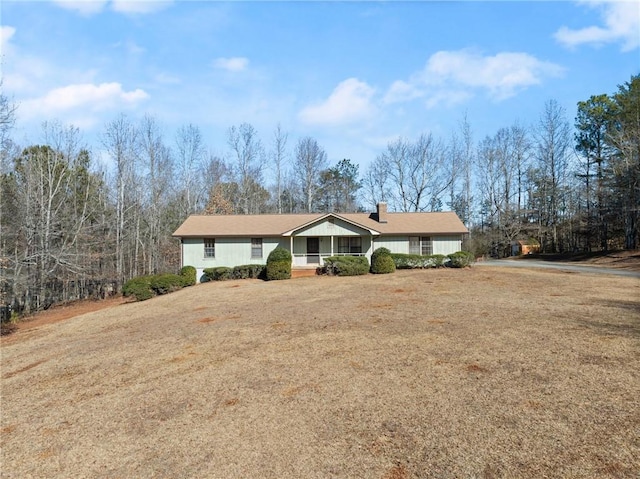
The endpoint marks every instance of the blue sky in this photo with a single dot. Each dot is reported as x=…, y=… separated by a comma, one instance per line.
x=353, y=75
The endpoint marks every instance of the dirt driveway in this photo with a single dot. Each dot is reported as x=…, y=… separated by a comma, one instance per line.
x=482, y=372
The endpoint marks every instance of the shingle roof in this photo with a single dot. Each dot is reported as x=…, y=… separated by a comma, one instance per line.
x=276, y=225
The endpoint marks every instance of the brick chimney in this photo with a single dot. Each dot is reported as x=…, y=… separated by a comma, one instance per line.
x=382, y=212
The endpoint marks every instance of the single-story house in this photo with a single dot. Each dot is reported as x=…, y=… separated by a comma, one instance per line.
x=232, y=240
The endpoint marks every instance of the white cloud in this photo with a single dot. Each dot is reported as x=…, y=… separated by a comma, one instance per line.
x=349, y=102
x=21, y=72
x=453, y=76
x=86, y=98
x=6, y=33
x=621, y=24
x=503, y=74
x=234, y=64
x=401, y=91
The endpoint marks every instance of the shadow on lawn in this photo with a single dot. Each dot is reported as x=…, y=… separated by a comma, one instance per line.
x=609, y=326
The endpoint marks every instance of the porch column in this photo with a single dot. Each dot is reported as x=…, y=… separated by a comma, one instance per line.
x=331, y=239
x=370, y=245
x=293, y=259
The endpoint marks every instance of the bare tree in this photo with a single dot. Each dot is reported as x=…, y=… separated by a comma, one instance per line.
x=7, y=121
x=418, y=173
x=151, y=230
x=120, y=142
x=54, y=197
x=376, y=182
x=190, y=166
x=279, y=157
x=461, y=151
x=248, y=165
x=310, y=160
x=552, y=149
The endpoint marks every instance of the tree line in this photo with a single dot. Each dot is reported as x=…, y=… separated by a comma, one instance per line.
x=74, y=227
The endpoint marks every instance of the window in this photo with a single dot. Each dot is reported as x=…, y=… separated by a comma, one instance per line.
x=414, y=245
x=427, y=246
x=256, y=247
x=349, y=245
x=420, y=245
x=209, y=248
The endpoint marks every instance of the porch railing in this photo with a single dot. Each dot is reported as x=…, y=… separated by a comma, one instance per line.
x=304, y=259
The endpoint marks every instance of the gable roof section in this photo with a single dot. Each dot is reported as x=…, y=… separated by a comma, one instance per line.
x=278, y=225
x=330, y=215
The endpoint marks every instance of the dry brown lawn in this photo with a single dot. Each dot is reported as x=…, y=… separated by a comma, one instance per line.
x=482, y=372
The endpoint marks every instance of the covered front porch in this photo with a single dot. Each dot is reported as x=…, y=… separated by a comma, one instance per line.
x=310, y=252
x=328, y=236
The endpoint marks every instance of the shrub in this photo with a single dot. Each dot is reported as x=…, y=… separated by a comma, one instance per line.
x=438, y=260
x=146, y=287
x=189, y=275
x=139, y=287
x=220, y=273
x=167, y=283
x=345, y=265
x=279, y=264
x=245, y=271
x=414, y=261
x=382, y=262
x=460, y=259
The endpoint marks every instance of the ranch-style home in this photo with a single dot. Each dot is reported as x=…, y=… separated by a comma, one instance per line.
x=233, y=240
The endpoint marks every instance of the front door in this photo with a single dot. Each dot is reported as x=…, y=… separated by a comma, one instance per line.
x=313, y=250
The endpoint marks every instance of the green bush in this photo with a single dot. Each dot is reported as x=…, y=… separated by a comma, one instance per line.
x=437, y=260
x=279, y=264
x=139, y=287
x=220, y=273
x=279, y=254
x=167, y=283
x=382, y=262
x=146, y=287
x=460, y=259
x=246, y=271
x=417, y=261
x=345, y=265
x=189, y=274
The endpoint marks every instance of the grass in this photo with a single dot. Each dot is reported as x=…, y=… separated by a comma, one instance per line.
x=483, y=372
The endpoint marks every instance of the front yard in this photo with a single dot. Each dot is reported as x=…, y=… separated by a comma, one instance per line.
x=481, y=372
